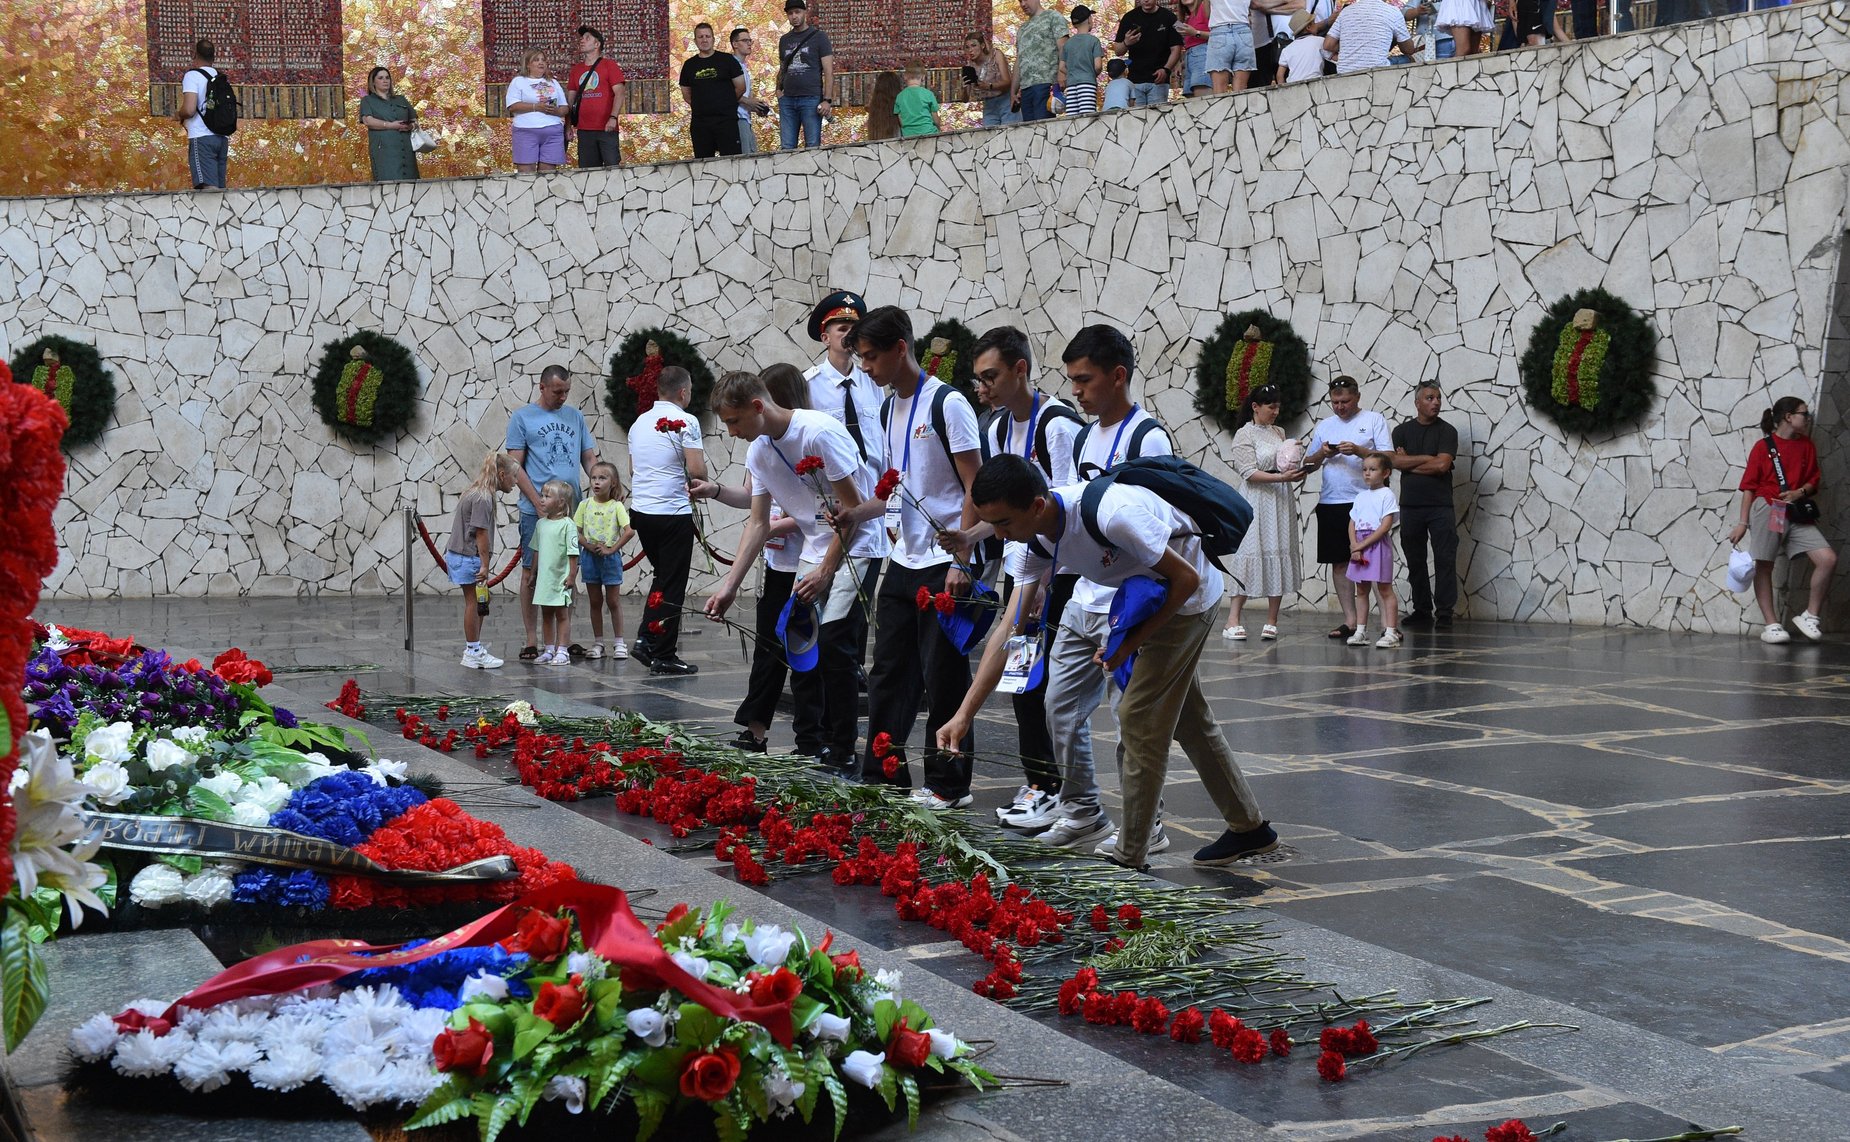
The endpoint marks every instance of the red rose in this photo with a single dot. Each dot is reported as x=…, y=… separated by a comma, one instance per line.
x=908, y=1048
x=561, y=1005
x=946, y=603
x=710, y=1075
x=1248, y=1045
x=1515, y=1130
x=1281, y=1042
x=780, y=986
x=469, y=1050
x=848, y=965
x=540, y=935
x=1331, y=1068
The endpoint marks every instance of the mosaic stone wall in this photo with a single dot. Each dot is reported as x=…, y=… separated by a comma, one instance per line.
x=1412, y=223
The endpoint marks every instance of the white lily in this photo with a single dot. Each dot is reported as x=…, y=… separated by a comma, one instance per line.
x=49, y=849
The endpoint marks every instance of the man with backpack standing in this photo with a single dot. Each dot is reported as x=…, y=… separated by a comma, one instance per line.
x=1122, y=526
x=805, y=79
x=209, y=108
x=595, y=87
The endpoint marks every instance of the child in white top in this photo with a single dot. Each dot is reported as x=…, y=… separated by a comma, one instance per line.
x=1372, y=518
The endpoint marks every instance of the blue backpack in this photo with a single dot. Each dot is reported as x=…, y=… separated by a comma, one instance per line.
x=1221, y=514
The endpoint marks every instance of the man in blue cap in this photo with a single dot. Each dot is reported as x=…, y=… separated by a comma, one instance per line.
x=803, y=461
x=1163, y=703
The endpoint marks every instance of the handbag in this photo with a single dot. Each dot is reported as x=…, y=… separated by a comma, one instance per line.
x=571, y=112
x=1798, y=511
x=422, y=141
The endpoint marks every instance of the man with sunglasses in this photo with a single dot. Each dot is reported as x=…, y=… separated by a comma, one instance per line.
x=1338, y=445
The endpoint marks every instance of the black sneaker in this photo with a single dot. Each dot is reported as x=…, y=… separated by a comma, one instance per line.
x=669, y=664
x=1442, y=621
x=1231, y=846
x=745, y=741
x=642, y=652
x=1417, y=619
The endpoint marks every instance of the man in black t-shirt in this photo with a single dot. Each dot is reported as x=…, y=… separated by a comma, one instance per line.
x=712, y=83
x=1148, y=38
x=1424, y=448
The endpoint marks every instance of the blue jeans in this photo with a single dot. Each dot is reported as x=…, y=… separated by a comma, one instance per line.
x=796, y=110
x=1034, y=102
x=206, y=157
x=999, y=109
x=1149, y=94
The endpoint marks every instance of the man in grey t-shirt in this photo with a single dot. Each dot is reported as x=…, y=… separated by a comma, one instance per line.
x=805, y=77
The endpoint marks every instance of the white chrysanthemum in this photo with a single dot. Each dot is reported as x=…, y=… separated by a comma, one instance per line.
x=412, y=1082
x=229, y=1025
x=109, y=743
x=769, y=945
x=361, y=1033
x=95, y=1037
x=157, y=886
x=419, y=1029
x=286, y=1066
x=145, y=1055
x=209, y=1066
x=568, y=1089
x=483, y=985
x=208, y=890
x=148, y=1007
x=382, y=1003
x=250, y=813
x=285, y=1031
x=359, y=1080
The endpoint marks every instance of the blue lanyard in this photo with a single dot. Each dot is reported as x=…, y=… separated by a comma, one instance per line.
x=918, y=395
x=1027, y=444
x=781, y=456
x=1110, y=457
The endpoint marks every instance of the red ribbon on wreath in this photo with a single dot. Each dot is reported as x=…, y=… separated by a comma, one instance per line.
x=644, y=383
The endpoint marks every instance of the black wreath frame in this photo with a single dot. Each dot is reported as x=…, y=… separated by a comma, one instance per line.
x=398, y=386
x=963, y=344
x=626, y=362
x=1290, y=368
x=1626, y=386
x=93, y=386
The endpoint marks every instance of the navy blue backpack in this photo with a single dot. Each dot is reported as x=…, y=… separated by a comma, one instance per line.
x=1221, y=514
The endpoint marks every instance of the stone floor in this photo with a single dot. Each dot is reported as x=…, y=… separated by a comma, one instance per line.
x=1642, y=834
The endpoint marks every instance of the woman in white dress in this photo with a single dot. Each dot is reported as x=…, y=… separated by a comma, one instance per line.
x=1267, y=562
x=1470, y=22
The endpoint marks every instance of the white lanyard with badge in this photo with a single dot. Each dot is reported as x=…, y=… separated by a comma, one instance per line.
x=1022, y=669
x=895, y=503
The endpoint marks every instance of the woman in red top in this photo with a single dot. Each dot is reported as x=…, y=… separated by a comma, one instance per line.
x=1767, y=524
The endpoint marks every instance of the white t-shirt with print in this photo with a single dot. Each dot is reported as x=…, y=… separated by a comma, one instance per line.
x=195, y=82
x=658, y=464
x=912, y=447
x=1342, y=475
x=1106, y=448
x=1141, y=526
x=1372, y=505
x=773, y=464
x=1006, y=434
x=523, y=89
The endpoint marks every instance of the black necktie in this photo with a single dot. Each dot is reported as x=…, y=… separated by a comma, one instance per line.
x=852, y=415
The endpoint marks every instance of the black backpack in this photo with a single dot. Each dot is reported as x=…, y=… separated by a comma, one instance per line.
x=1221, y=514
x=1132, y=450
x=220, y=110
x=1053, y=409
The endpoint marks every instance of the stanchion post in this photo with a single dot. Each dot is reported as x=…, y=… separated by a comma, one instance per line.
x=409, y=590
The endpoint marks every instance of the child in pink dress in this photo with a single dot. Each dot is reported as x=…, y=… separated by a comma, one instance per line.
x=1371, y=552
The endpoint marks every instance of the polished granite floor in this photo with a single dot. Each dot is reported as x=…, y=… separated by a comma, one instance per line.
x=1642, y=833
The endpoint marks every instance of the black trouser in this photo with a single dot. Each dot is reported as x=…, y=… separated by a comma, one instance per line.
x=715, y=136
x=913, y=658
x=668, y=541
x=1036, y=739
x=830, y=695
x=599, y=149
x=1265, y=65
x=1439, y=525
x=769, y=669
x=1586, y=19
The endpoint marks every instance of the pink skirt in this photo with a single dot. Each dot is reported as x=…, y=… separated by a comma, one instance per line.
x=1377, y=562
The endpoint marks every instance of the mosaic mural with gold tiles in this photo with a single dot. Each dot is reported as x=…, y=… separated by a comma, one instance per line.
x=76, y=118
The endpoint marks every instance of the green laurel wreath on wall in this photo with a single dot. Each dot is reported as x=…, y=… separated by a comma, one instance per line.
x=365, y=399
x=78, y=380
x=1595, y=378
x=1279, y=357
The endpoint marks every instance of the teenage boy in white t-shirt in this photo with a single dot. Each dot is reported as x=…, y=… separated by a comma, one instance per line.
x=1163, y=702
x=836, y=569
x=936, y=457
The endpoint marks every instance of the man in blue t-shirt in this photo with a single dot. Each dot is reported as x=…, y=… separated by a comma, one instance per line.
x=547, y=440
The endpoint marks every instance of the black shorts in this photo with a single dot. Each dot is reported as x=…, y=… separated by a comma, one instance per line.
x=1333, y=533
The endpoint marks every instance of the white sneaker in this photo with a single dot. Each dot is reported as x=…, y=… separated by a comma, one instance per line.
x=481, y=660
x=919, y=794
x=1359, y=638
x=1808, y=625
x=1024, y=797
x=1390, y=638
x=1041, y=810
x=1159, y=842
x=939, y=804
x=1775, y=633
x=1073, y=832
x=619, y=648
x=1234, y=634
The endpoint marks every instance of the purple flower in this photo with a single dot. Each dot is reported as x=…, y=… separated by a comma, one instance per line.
x=284, y=718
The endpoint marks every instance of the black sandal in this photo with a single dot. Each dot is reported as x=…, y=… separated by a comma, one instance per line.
x=575, y=650
x=529, y=653
x=1342, y=632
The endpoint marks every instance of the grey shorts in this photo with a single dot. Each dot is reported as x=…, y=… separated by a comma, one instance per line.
x=1765, y=545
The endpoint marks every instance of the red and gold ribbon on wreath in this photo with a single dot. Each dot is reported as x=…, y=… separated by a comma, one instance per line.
x=359, y=389
x=1249, y=367
x=645, y=384
x=1579, y=356
x=55, y=380
x=940, y=361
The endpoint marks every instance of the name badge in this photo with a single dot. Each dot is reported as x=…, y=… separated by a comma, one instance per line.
x=893, y=507
x=1018, y=669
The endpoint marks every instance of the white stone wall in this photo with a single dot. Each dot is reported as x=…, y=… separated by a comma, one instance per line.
x=1412, y=223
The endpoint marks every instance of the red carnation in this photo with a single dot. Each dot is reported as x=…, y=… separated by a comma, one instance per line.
x=1187, y=1025
x=888, y=482
x=1131, y=917
x=946, y=603
x=780, y=986
x=561, y=1005
x=1150, y=1016
x=542, y=936
x=1334, y=1039
x=924, y=598
x=1515, y=1130
x=1100, y=919
x=667, y=425
x=889, y=765
x=710, y=1075
x=1248, y=1045
x=883, y=741
x=469, y=1050
x=1222, y=1027
x=1099, y=1007
x=655, y=626
x=1362, y=1040
x=809, y=464
x=655, y=600
x=1281, y=1042
x=1453, y=1138
x=236, y=666
x=908, y=1048
x=1331, y=1068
